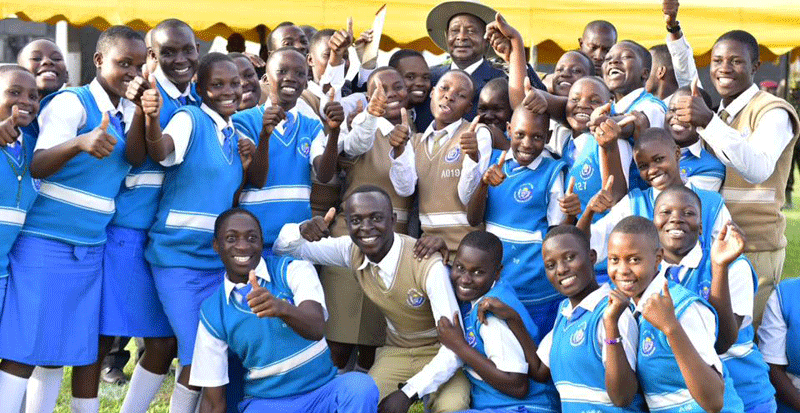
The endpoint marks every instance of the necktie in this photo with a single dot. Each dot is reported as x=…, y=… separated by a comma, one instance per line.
x=724, y=115
x=437, y=140
x=673, y=273
x=227, y=143
x=183, y=100
x=288, y=123
x=577, y=313
x=243, y=291
x=569, y=153
x=15, y=150
x=118, y=123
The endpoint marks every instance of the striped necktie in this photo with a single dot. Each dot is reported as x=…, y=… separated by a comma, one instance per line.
x=227, y=143
x=725, y=116
x=243, y=291
x=183, y=100
x=118, y=122
x=674, y=272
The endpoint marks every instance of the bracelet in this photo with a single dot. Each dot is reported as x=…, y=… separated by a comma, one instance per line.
x=675, y=28
x=612, y=341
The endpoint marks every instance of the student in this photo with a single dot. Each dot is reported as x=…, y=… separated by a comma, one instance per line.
x=676, y=363
x=251, y=90
x=196, y=142
x=413, y=293
x=661, y=83
x=494, y=110
x=287, y=34
x=493, y=358
x=519, y=199
x=45, y=60
x=719, y=275
x=570, y=67
x=77, y=142
x=445, y=162
x=417, y=75
x=781, y=352
x=288, y=369
x=597, y=39
x=329, y=61
x=698, y=166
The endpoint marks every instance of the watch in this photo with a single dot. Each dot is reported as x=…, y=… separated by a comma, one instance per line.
x=675, y=27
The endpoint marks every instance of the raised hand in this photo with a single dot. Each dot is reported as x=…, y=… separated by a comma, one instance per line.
x=377, y=101
x=607, y=132
x=493, y=305
x=728, y=245
x=570, y=204
x=246, y=151
x=272, y=116
x=339, y=42
x=450, y=333
x=659, y=310
x=333, y=110
x=401, y=133
x=98, y=143
x=598, y=116
x=261, y=302
x=499, y=34
x=138, y=86
x=9, y=128
x=670, y=10
x=150, y=100
x=352, y=115
x=468, y=141
x=603, y=200
x=427, y=245
x=534, y=99
x=494, y=175
x=317, y=228
x=361, y=46
x=693, y=109
x=617, y=303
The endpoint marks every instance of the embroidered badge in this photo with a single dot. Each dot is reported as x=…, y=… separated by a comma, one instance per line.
x=415, y=298
x=586, y=171
x=704, y=289
x=648, y=344
x=304, y=147
x=524, y=193
x=37, y=184
x=472, y=339
x=577, y=338
x=453, y=154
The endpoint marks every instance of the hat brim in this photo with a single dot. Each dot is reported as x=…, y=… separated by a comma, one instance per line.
x=440, y=16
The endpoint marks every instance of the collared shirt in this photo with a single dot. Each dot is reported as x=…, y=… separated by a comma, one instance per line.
x=362, y=134
x=709, y=183
x=210, y=368
x=180, y=128
x=740, y=282
x=336, y=252
x=753, y=154
x=403, y=172
x=555, y=216
x=654, y=112
x=697, y=321
x=61, y=119
x=469, y=69
x=628, y=329
x=682, y=61
x=501, y=346
x=169, y=87
x=772, y=336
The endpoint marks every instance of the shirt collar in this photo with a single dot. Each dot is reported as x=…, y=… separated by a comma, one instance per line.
x=535, y=163
x=624, y=104
x=261, y=272
x=314, y=88
x=655, y=287
x=169, y=87
x=740, y=102
x=451, y=129
x=695, y=149
x=389, y=262
x=589, y=302
x=690, y=260
x=469, y=69
x=125, y=106
x=218, y=121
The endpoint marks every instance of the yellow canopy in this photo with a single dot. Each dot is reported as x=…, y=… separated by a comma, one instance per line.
x=552, y=25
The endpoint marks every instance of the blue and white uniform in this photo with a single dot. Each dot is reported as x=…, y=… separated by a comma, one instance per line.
x=654, y=109
x=284, y=372
x=779, y=332
x=202, y=176
x=52, y=312
x=700, y=168
x=575, y=352
x=519, y=211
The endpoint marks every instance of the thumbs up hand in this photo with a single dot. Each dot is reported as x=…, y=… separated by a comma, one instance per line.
x=495, y=176
x=333, y=110
x=98, y=142
x=377, y=100
x=659, y=310
x=693, y=109
x=317, y=228
x=570, y=204
x=603, y=200
x=339, y=42
x=598, y=116
x=400, y=134
x=468, y=141
x=149, y=100
x=246, y=151
x=9, y=128
x=272, y=116
x=261, y=302
x=352, y=115
x=138, y=86
x=534, y=99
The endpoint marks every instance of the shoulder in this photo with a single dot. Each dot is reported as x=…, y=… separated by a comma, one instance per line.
x=211, y=312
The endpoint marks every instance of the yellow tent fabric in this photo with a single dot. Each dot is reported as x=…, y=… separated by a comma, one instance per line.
x=552, y=25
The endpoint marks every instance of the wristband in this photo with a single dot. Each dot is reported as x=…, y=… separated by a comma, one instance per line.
x=612, y=341
x=674, y=28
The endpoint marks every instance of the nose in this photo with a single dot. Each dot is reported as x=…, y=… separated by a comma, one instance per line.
x=561, y=267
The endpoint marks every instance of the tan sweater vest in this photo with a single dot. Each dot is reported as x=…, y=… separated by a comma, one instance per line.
x=405, y=303
x=756, y=208
x=441, y=212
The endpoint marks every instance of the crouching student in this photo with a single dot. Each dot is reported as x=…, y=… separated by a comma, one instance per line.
x=493, y=357
x=777, y=340
x=288, y=369
x=720, y=275
x=677, y=365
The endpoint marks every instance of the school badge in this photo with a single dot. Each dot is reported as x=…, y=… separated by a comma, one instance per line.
x=285, y=297
x=37, y=184
x=704, y=289
x=586, y=171
x=684, y=174
x=415, y=298
x=577, y=338
x=524, y=193
x=453, y=154
x=472, y=339
x=304, y=147
x=648, y=344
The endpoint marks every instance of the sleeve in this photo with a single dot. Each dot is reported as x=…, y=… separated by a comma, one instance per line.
x=60, y=120
x=210, y=365
x=543, y=351
x=179, y=129
x=304, y=282
x=471, y=171
x=625, y=157
x=362, y=135
x=654, y=112
x=709, y=183
x=740, y=285
x=318, y=146
x=601, y=229
x=334, y=76
x=754, y=156
x=723, y=217
x=772, y=333
x=682, y=61
x=445, y=363
x=555, y=216
x=502, y=347
x=363, y=75
x=403, y=172
x=700, y=326
x=327, y=251
x=628, y=330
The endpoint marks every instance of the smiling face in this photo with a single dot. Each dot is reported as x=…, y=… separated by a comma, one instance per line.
x=290, y=36
x=678, y=220
x=474, y=272
x=239, y=245
x=45, y=60
x=120, y=64
x=596, y=43
x=370, y=221
x=18, y=87
x=633, y=261
x=731, y=69
x=222, y=91
x=175, y=48
x=494, y=107
x=658, y=164
x=251, y=89
x=684, y=133
x=569, y=265
x=417, y=76
x=465, y=41
x=586, y=95
x=286, y=71
x=623, y=70
x=528, y=132
x=570, y=67
x=396, y=94
x=451, y=98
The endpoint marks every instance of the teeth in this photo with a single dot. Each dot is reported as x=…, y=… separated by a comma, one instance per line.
x=564, y=83
x=677, y=128
x=369, y=239
x=228, y=102
x=24, y=112
x=624, y=283
x=182, y=71
x=725, y=81
x=566, y=282
x=676, y=232
x=463, y=289
x=246, y=95
x=614, y=72
x=393, y=104
x=241, y=260
x=49, y=75
x=444, y=107
x=418, y=93
x=289, y=89
x=581, y=116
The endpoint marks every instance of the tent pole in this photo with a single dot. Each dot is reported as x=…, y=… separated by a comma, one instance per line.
x=786, y=72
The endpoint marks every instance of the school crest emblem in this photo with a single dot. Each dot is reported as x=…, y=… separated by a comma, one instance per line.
x=304, y=147
x=472, y=339
x=579, y=336
x=587, y=170
x=704, y=289
x=37, y=184
x=415, y=298
x=524, y=193
x=285, y=297
x=648, y=343
x=684, y=173
x=453, y=154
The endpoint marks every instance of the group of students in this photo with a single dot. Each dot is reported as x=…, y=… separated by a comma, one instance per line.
x=484, y=239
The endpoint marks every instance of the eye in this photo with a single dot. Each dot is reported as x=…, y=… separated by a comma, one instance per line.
x=613, y=260
x=549, y=265
x=230, y=238
x=252, y=238
x=124, y=64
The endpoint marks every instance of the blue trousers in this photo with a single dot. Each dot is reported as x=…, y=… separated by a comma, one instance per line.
x=349, y=393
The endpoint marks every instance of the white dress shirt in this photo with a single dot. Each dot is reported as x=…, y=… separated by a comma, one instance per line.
x=709, y=183
x=336, y=252
x=772, y=336
x=180, y=128
x=169, y=87
x=469, y=69
x=362, y=134
x=500, y=346
x=654, y=112
x=682, y=61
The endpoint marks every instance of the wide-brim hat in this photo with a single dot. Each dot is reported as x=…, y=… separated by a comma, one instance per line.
x=439, y=18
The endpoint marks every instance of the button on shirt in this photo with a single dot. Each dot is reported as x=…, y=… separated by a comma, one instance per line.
x=180, y=129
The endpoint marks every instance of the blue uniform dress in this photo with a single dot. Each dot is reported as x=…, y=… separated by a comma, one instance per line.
x=705, y=165
x=52, y=313
x=644, y=98
x=130, y=306
x=284, y=372
x=185, y=267
x=516, y=211
x=541, y=397
x=788, y=291
x=285, y=198
x=17, y=198
x=659, y=375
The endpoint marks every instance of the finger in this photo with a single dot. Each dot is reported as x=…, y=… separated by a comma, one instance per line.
x=609, y=183
x=723, y=232
x=695, y=92
x=528, y=86
x=499, y=19
x=254, y=280
x=502, y=158
x=379, y=87
x=332, y=94
x=571, y=185
x=404, y=116
x=603, y=110
x=359, y=107
x=104, y=122
x=329, y=215
x=482, y=308
x=15, y=116
x=474, y=125
x=626, y=121
x=665, y=290
x=350, y=26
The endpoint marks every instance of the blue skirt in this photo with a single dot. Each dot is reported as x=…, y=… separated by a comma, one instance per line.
x=52, y=306
x=182, y=291
x=130, y=306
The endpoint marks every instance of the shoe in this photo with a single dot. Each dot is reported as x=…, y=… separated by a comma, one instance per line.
x=113, y=375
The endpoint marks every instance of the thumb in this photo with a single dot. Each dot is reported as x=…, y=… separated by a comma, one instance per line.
x=571, y=185
x=665, y=290
x=604, y=110
x=626, y=120
x=499, y=19
x=332, y=94
x=502, y=158
x=104, y=122
x=695, y=92
x=151, y=79
x=145, y=73
x=723, y=232
x=474, y=124
x=609, y=183
x=15, y=116
x=404, y=116
x=350, y=26
x=527, y=82
x=254, y=280
x=330, y=215
x=359, y=107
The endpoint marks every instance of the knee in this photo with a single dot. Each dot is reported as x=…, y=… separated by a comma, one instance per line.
x=165, y=347
x=360, y=386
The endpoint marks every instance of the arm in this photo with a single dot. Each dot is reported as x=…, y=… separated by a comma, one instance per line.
x=325, y=251
x=403, y=172
x=362, y=134
x=210, y=370
x=494, y=176
x=772, y=336
x=213, y=400
x=325, y=164
x=256, y=172
x=508, y=44
x=621, y=383
x=135, y=146
x=682, y=54
x=727, y=247
x=607, y=135
x=96, y=142
x=784, y=388
x=472, y=169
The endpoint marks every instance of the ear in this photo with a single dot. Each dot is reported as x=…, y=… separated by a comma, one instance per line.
x=659, y=256
x=152, y=54
x=661, y=72
x=215, y=245
x=394, y=219
x=98, y=59
x=580, y=42
x=756, y=65
x=498, y=272
x=593, y=257
x=645, y=74
x=310, y=59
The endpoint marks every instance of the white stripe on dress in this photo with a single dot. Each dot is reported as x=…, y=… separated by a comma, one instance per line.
x=291, y=363
x=77, y=197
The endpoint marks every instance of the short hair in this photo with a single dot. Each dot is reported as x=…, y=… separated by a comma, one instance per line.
x=586, y=59
x=601, y=25
x=581, y=236
x=463, y=72
x=401, y=54
x=681, y=189
x=498, y=84
x=286, y=49
x=223, y=218
x=271, y=47
x=597, y=80
x=238, y=55
x=170, y=24
x=655, y=135
x=113, y=34
x=367, y=189
x=521, y=110
x=703, y=93
x=485, y=241
x=320, y=36
x=636, y=225
x=644, y=54
x=745, y=38
x=13, y=68
x=661, y=57
x=207, y=62
x=381, y=69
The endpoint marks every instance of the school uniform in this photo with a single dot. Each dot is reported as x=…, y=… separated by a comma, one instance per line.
x=446, y=177
x=520, y=211
x=495, y=341
x=749, y=373
x=412, y=295
x=575, y=352
x=778, y=333
x=130, y=305
x=203, y=173
x=700, y=168
x=660, y=378
x=653, y=108
x=52, y=312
